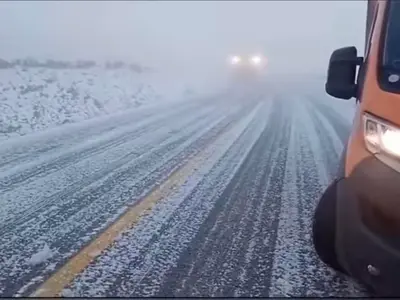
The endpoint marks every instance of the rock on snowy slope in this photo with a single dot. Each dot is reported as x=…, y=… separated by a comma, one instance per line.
x=33, y=99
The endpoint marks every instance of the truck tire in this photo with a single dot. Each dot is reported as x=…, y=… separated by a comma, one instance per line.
x=324, y=228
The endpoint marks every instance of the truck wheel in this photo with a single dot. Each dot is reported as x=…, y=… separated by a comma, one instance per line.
x=324, y=227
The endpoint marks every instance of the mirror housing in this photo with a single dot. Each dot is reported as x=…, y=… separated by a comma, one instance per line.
x=341, y=79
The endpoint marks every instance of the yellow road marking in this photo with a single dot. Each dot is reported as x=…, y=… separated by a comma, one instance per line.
x=53, y=286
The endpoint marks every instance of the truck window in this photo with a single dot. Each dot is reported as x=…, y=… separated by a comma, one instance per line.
x=391, y=57
x=390, y=60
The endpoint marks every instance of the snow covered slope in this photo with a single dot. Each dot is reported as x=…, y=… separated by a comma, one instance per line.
x=33, y=99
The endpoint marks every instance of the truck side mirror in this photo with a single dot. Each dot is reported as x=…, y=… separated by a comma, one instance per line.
x=342, y=73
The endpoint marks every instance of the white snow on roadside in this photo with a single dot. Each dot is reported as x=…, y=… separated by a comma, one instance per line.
x=34, y=99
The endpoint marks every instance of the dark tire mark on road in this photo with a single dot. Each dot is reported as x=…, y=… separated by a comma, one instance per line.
x=224, y=237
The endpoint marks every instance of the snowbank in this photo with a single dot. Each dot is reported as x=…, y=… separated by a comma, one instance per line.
x=33, y=99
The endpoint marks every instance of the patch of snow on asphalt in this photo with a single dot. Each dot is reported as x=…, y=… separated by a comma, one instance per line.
x=41, y=256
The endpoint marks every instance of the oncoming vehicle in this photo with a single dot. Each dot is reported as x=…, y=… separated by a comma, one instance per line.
x=249, y=67
x=356, y=226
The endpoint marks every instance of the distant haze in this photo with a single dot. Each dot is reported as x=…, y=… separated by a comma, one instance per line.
x=296, y=36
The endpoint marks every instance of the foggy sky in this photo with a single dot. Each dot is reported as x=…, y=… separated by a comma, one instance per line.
x=294, y=35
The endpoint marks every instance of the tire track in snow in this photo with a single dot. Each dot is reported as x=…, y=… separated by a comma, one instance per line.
x=137, y=264
x=255, y=243
x=115, y=138
x=21, y=150
x=231, y=259
x=319, y=279
x=328, y=149
x=71, y=224
x=298, y=272
x=228, y=232
x=135, y=181
x=67, y=182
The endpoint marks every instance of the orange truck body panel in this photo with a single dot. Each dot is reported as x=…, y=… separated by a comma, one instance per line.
x=374, y=100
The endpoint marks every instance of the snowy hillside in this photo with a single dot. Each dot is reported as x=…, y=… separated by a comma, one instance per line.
x=33, y=99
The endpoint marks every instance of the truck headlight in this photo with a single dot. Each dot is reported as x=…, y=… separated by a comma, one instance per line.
x=381, y=137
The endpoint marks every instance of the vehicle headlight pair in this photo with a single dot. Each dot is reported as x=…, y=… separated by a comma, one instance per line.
x=382, y=139
x=255, y=60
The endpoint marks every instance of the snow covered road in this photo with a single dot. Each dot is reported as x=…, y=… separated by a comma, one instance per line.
x=239, y=225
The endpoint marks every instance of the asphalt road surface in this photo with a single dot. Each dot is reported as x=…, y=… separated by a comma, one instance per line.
x=251, y=168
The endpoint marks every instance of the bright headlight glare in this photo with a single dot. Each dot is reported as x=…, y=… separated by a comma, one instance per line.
x=256, y=59
x=235, y=60
x=391, y=141
x=381, y=137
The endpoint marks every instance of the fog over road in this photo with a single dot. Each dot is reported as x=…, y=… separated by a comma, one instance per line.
x=237, y=224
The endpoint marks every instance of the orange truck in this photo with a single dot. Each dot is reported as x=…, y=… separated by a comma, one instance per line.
x=356, y=225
